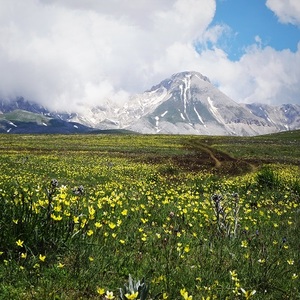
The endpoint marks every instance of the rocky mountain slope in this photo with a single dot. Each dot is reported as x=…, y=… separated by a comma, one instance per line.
x=185, y=103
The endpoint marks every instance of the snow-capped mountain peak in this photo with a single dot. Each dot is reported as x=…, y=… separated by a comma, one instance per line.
x=186, y=103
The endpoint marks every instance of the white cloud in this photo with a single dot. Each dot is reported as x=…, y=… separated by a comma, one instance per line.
x=261, y=75
x=288, y=11
x=63, y=52
x=71, y=53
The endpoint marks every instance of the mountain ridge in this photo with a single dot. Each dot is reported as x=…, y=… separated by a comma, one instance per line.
x=185, y=103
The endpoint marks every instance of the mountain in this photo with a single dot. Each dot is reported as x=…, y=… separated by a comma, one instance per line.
x=185, y=103
x=22, y=121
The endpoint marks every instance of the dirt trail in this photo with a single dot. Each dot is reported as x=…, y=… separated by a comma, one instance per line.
x=211, y=154
x=219, y=161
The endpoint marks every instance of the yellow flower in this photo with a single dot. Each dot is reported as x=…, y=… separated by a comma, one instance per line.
x=98, y=225
x=42, y=257
x=23, y=255
x=132, y=295
x=91, y=258
x=165, y=296
x=100, y=291
x=122, y=241
x=187, y=248
x=233, y=275
x=90, y=232
x=244, y=244
x=19, y=243
x=60, y=265
x=111, y=225
x=124, y=212
x=185, y=295
x=56, y=218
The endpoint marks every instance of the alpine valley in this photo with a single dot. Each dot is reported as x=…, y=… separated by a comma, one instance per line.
x=185, y=103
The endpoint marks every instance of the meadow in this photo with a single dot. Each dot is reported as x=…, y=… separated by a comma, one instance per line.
x=149, y=217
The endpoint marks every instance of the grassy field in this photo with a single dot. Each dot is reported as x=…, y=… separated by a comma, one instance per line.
x=149, y=217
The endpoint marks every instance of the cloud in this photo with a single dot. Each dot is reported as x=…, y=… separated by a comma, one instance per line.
x=261, y=75
x=69, y=54
x=287, y=11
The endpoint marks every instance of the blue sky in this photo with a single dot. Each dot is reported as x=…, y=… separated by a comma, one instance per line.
x=251, y=21
x=72, y=54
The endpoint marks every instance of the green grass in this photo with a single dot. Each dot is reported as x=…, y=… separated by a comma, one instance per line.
x=25, y=116
x=200, y=216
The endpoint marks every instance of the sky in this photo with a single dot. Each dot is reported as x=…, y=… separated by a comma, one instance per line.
x=69, y=54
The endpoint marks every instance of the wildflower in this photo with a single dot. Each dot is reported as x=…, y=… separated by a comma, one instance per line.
x=54, y=183
x=294, y=276
x=79, y=190
x=124, y=212
x=233, y=275
x=248, y=294
x=19, y=243
x=111, y=225
x=185, y=295
x=261, y=261
x=91, y=258
x=23, y=255
x=100, y=291
x=60, y=265
x=165, y=296
x=109, y=295
x=187, y=248
x=90, y=232
x=98, y=225
x=42, y=257
x=244, y=244
x=56, y=218
x=290, y=261
x=122, y=241
x=132, y=295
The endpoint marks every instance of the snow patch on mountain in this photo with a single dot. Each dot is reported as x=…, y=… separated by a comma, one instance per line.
x=185, y=103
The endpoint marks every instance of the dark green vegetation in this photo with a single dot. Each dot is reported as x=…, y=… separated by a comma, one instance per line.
x=208, y=217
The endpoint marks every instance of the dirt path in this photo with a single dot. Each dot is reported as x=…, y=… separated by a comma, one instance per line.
x=211, y=154
x=219, y=161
